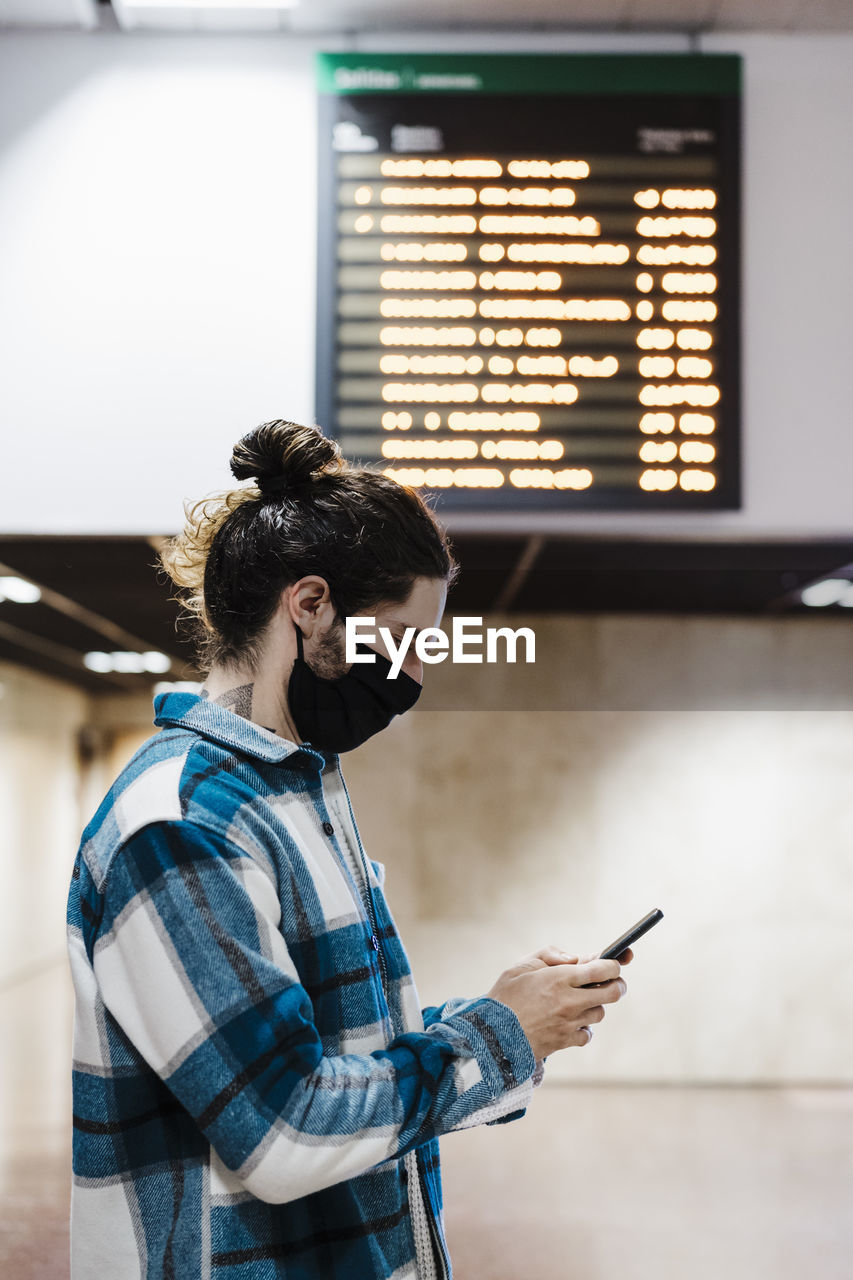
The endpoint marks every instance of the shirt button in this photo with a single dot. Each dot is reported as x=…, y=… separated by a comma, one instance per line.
x=328, y=829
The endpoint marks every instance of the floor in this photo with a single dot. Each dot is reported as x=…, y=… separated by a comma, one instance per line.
x=612, y=1183
x=670, y=1183
x=35, y=1109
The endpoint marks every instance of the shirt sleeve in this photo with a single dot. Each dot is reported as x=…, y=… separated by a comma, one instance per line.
x=190, y=960
x=514, y=1103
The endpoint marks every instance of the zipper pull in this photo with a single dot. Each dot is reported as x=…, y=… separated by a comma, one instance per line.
x=375, y=942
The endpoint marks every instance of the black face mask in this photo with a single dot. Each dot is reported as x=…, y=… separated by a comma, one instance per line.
x=338, y=715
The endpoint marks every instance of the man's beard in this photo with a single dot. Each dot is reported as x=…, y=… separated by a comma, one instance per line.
x=329, y=657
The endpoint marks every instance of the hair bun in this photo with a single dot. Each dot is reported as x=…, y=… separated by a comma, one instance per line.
x=282, y=455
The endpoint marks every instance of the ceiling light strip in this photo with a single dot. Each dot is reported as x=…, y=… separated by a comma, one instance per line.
x=57, y=653
x=239, y=6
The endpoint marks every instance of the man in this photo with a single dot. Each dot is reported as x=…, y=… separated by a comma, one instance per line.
x=257, y=1092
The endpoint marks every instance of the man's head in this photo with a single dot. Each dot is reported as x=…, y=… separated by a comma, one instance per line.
x=309, y=606
x=312, y=542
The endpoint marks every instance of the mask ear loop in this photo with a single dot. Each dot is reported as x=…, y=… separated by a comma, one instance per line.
x=300, y=638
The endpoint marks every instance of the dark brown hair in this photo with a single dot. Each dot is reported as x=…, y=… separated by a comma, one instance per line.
x=308, y=512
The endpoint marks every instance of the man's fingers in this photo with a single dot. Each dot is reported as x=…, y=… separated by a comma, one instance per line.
x=551, y=955
x=556, y=955
x=584, y=975
x=610, y=992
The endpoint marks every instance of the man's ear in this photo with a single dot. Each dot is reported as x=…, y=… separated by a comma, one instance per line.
x=309, y=604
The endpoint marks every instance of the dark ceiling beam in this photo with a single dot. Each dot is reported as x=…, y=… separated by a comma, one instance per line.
x=513, y=584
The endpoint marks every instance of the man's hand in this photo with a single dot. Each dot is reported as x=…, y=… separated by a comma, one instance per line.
x=546, y=993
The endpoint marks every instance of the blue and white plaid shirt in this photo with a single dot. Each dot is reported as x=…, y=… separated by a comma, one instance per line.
x=256, y=1090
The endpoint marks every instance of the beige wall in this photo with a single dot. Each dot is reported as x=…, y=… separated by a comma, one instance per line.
x=40, y=720
x=39, y=824
x=702, y=766
x=698, y=765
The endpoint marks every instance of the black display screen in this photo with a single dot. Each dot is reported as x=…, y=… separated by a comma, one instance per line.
x=529, y=276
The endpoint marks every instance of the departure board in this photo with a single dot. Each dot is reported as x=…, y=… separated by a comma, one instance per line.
x=529, y=276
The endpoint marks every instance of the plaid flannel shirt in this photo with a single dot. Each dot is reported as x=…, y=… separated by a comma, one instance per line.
x=256, y=1091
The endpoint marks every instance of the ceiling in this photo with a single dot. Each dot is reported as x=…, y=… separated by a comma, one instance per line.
x=373, y=15
x=105, y=594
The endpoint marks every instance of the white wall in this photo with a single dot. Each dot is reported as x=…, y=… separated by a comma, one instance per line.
x=157, y=253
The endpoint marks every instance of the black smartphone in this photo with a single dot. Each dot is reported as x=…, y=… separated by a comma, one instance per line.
x=614, y=951
x=637, y=931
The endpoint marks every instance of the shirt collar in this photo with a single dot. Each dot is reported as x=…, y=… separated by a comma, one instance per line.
x=218, y=724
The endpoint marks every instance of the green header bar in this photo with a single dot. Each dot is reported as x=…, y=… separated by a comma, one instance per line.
x=462, y=73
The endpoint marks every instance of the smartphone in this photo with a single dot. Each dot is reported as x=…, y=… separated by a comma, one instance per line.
x=614, y=951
